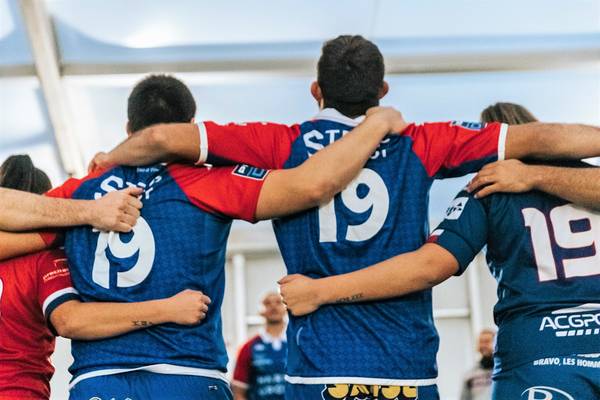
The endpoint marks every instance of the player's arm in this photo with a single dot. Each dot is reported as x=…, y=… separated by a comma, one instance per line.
x=400, y=275
x=157, y=143
x=552, y=141
x=263, y=145
x=453, y=246
x=329, y=170
x=577, y=185
x=90, y=321
x=18, y=244
x=26, y=211
x=239, y=393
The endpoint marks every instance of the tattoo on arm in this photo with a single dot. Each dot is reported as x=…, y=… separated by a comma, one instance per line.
x=142, y=323
x=350, y=299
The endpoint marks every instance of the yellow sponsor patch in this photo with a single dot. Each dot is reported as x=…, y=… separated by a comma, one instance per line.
x=369, y=392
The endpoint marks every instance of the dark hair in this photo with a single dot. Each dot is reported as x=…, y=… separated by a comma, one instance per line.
x=508, y=113
x=19, y=173
x=350, y=74
x=159, y=99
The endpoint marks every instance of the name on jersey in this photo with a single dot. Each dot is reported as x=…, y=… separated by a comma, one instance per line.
x=57, y=273
x=579, y=321
x=114, y=183
x=473, y=126
x=315, y=141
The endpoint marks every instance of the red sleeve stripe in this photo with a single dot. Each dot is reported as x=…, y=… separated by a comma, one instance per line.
x=435, y=235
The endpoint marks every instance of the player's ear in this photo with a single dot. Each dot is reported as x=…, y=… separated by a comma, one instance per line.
x=315, y=90
x=128, y=128
x=193, y=120
x=384, y=89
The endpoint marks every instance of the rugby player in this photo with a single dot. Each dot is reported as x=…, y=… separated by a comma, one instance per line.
x=373, y=350
x=37, y=301
x=541, y=249
x=179, y=242
x=260, y=366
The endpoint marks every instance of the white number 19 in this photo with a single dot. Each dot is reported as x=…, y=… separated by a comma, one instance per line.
x=377, y=199
x=563, y=236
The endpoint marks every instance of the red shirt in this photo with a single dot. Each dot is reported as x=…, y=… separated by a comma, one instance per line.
x=31, y=287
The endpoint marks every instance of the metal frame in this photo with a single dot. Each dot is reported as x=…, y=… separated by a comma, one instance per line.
x=417, y=55
x=45, y=55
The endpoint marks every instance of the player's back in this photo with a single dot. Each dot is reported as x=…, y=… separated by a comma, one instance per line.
x=175, y=245
x=543, y=252
x=26, y=342
x=381, y=214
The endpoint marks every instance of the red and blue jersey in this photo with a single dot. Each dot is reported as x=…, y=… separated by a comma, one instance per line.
x=31, y=288
x=260, y=367
x=178, y=243
x=382, y=213
x=543, y=252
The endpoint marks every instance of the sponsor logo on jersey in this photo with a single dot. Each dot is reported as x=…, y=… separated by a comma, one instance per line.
x=583, y=320
x=456, y=208
x=61, y=270
x=545, y=393
x=473, y=126
x=369, y=392
x=247, y=171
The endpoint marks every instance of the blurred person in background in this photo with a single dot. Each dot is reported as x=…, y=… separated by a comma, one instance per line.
x=541, y=249
x=38, y=301
x=260, y=368
x=477, y=384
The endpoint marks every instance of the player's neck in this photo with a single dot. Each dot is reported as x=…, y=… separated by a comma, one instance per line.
x=275, y=329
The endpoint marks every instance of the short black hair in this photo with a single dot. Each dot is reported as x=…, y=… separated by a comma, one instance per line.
x=19, y=173
x=350, y=73
x=159, y=99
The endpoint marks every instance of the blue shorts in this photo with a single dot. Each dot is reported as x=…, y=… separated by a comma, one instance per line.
x=557, y=378
x=359, y=392
x=142, y=385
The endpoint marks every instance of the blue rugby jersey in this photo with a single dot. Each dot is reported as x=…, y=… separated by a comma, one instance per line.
x=543, y=253
x=260, y=367
x=381, y=214
x=178, y=243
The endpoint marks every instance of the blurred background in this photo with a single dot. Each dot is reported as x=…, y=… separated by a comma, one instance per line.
x=66, y=68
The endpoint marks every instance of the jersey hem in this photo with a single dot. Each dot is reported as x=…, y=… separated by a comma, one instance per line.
x=165, y=369
x=332, y=380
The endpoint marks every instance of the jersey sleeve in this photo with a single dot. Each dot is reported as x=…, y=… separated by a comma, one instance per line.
x=232, y=192
x=54, y=282
x=243, y=365
x=262, y=144
x=450, y=149
x=464, y=230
